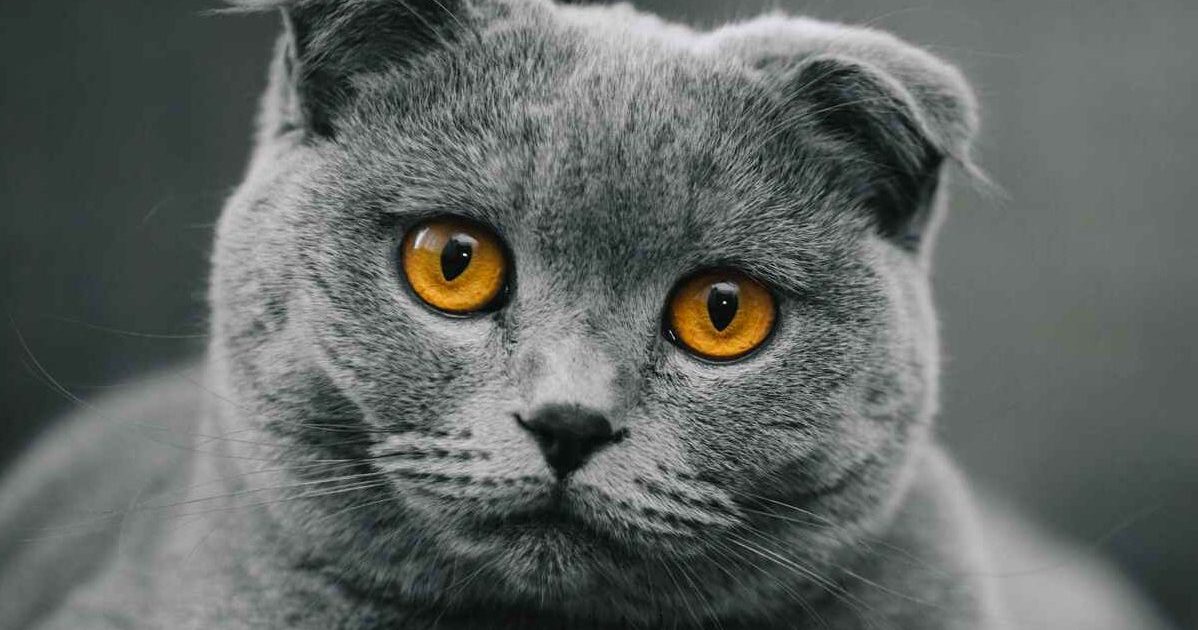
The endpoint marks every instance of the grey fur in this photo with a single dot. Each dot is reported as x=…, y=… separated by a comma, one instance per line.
x=614, y=153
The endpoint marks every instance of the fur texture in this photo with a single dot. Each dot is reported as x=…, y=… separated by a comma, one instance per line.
x=614, y=154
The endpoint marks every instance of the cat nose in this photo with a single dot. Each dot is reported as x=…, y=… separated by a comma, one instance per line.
x=568, y=435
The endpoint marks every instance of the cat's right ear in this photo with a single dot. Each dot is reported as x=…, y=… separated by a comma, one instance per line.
x=327, y=44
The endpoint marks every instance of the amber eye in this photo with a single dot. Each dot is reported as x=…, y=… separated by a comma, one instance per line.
x=721, y=314
x=454, y=265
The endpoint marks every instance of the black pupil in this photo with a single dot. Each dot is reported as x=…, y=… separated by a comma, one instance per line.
x=455, y=258
x=722, y=302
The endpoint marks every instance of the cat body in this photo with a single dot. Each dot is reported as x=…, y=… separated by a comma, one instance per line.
x=351, y=456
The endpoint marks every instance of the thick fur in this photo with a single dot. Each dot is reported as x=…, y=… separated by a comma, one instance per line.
x=358, y=464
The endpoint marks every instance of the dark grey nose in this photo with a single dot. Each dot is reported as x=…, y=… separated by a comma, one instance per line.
x=568, y=435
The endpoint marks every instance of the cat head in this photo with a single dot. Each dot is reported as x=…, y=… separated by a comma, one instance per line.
x=595, y=296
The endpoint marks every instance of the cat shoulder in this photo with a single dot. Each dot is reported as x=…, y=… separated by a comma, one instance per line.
x=1047, y=581
x=63, y=502
x=966, y=549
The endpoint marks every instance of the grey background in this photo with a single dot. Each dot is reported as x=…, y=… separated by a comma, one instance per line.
x=1068, y=304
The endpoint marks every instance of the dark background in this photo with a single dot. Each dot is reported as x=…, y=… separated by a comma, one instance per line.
x=1068, y=305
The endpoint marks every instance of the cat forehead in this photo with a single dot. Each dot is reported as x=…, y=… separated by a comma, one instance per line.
x=625, y=151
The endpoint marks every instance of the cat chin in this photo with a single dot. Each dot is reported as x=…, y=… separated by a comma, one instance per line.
x=555, y=545
x=544, y=527
x=553, y=521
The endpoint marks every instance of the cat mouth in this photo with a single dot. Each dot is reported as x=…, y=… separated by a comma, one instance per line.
x=561, y=520
x=554, y=512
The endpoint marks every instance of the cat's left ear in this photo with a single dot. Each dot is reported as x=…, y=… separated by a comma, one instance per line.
x=327, y=44
x=896, y=114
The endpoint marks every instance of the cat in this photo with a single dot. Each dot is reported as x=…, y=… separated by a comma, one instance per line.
x=547, y=316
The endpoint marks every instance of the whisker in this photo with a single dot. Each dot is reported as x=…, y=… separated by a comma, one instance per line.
x=733, y=556
x=128, y=333
x=828, y=585
x=314, y=495
x=139, y=507
x=866, y=540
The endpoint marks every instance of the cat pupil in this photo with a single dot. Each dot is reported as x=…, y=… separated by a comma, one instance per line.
x=722, y=303
x=455, y=258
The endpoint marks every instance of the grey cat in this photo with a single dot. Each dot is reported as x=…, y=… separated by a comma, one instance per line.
x=543, y=316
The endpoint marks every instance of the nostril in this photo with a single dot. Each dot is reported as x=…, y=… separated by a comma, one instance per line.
x=568, y=435
x=619, y=436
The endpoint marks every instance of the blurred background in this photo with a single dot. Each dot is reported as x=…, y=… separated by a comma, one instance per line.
x=1068, y=305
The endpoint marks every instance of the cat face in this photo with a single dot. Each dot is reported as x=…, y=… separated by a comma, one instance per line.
x=551, y=420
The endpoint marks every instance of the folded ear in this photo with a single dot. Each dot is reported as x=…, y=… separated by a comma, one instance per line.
x=327, y=43
x=896, y=113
